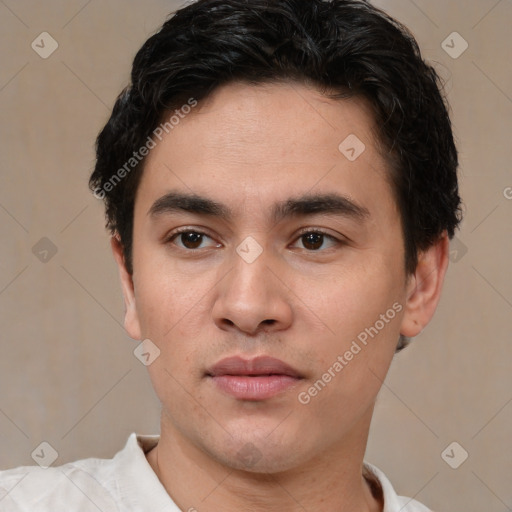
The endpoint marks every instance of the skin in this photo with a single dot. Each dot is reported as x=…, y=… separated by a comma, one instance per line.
x=249, y=147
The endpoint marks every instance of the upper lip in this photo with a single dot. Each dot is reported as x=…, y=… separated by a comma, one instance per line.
x=262, y=365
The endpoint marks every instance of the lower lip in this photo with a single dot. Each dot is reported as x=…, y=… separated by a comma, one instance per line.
x=258, y=387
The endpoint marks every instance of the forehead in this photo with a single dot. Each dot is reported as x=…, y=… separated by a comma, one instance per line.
x=281, y=120
x=251, y=146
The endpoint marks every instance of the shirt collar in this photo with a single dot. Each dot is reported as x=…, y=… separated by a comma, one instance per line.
x=135, y=454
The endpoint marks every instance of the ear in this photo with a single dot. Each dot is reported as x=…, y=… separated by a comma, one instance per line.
x=131, y=318
x=424, y=287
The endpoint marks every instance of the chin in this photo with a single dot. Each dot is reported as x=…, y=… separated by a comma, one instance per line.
x=260, y=454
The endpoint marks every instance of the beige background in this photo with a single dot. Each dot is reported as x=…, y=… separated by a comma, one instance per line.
x=67, y=371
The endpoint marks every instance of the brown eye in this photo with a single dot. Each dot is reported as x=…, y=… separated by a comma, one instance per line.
x=315, y=240
x=189, y=239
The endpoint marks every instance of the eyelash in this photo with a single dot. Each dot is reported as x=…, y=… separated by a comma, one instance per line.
x=303, y=232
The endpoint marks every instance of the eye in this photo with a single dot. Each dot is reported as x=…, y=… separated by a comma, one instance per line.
x=190, y=239
x=314, y=239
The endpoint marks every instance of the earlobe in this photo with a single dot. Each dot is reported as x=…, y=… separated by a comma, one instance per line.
x=131, y=319
x=424, y=287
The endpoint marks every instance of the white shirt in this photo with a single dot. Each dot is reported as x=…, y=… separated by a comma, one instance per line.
x=125, y=483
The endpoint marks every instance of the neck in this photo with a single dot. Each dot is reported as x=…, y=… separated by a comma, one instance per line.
x=331, y=481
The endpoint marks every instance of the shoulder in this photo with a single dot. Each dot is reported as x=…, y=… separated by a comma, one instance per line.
x=88, y=484
x=124, y=482
x=392, y=502
x=85, y=484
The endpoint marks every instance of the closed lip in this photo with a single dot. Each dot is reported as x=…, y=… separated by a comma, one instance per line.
x=262, y=365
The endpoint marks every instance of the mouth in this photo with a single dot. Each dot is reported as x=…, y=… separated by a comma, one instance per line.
x=253, y=379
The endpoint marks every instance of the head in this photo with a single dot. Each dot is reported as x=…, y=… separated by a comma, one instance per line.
x=262, y=119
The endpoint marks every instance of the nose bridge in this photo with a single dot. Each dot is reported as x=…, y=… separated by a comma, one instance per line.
x=251, y=296
x=251, y=278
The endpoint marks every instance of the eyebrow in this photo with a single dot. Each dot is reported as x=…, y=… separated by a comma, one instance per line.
x=308, y=204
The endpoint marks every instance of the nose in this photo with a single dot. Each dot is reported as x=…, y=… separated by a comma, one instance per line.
x=253, y=297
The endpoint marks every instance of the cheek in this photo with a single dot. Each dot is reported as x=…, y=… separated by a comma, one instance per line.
x=349, y=301
x=173, y=311
x=362, y=311
x=168, y=298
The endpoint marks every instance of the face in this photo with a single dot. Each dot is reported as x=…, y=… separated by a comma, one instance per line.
x=290, y=248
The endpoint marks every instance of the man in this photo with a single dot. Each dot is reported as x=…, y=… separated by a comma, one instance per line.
x=280, y=184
